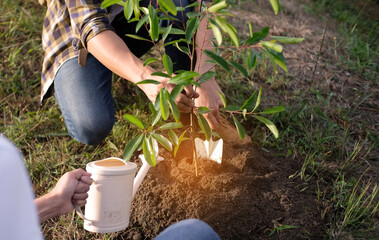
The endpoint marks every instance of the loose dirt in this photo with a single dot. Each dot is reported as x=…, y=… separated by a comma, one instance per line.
x=245, y=197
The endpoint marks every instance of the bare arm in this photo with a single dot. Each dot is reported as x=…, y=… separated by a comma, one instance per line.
x=208, y=91
x=70, y=190
x=111, y=50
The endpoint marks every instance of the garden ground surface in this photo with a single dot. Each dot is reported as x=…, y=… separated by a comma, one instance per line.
x=254, y=192
x=290, y=186
x=243, y=198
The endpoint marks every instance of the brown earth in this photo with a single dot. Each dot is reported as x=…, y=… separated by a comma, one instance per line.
x=245, y=197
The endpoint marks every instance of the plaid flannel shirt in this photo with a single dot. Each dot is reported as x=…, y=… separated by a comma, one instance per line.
x=68, y=26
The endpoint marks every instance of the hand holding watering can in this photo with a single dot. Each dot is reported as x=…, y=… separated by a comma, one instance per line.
x=111, y=193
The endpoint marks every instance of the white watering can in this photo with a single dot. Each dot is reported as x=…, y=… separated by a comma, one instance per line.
x=111, y=193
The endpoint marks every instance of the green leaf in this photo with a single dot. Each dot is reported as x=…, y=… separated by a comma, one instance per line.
x=248, y=104
x=156, y=117
x=206, y=76
x=194, y=4
x=232, y=108
x=112, y=145
x=173, y=137
x=222, y=23
x=192, y=14
x=154, y=24
x=184, y=78
x=217, y=33
x=218, y=6
x=173, y=106
x=240, y=129
x=232, y=34
x=240, y=68
x=148, y=152
x=203, y=110
x=157, y=103
x=142, y=21
x=108, y=3
x=173, y=31
x=250, y=29
x=251, y=60
x=131, y=147
x=180, y=140
x=137, y=37
x=128, y=9
x=135, y=4
x=167, y=63
x=149, y=81
x=258, y=99
x=192, y=26
x=223, y=98
x=135, y=121
x=203, y=123
x=219, y=60
x=287, y=40
x=161, y=74
x=164, y=104
x=151, y=108
x=171, y=125
x=271, y=45
x=169, y=5
x=182, y=48
x=176, y=91
x=244, y=111
x=164, y=141
x=149, y=60
x=272, y=59
x=274, y=110
x=278, y=59
x=275, y=5
x=269, y=124
x=166, y=32
x=257, y=36
x=154, y=146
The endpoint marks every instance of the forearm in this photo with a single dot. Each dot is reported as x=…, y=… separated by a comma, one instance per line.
x=111, y=51
x=203, y=41
x=47, y=207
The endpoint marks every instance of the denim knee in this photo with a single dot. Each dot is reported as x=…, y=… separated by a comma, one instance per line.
x=85, y=99
x=92, y=131
x=189, y=229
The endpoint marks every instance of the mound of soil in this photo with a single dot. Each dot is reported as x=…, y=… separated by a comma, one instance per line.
x=245, y=197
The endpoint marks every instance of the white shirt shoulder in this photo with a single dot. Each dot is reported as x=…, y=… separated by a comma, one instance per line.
x=18, y=214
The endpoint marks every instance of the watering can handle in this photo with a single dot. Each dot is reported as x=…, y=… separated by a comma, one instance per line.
x=80, y=213
x=140, y=176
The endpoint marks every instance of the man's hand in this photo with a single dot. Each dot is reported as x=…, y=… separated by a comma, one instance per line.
x=70, y=190
x=183, y=101
x=210, y=99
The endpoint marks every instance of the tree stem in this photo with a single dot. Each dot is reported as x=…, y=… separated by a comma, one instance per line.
x=194, y=154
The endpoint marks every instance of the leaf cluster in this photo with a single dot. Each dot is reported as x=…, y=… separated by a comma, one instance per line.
x=165, y=113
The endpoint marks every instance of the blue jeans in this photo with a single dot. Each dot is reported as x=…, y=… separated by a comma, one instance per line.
x=190, y=229
x=84, y=93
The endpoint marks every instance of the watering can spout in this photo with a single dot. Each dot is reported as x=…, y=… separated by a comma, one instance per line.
x=142, y=173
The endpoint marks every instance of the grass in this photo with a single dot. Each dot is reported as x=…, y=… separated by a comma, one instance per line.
x=337, y=144
x=358, y=29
